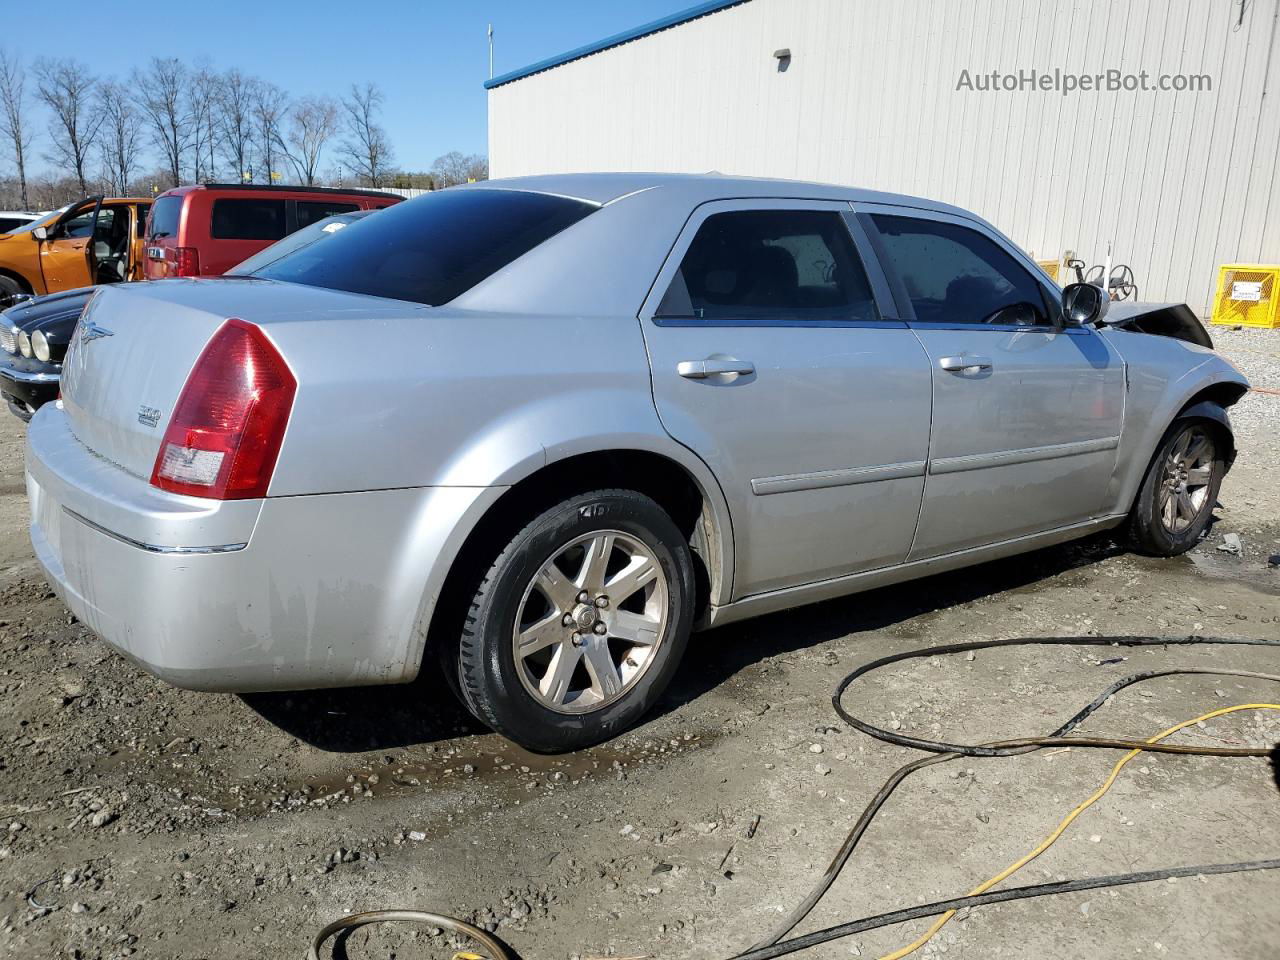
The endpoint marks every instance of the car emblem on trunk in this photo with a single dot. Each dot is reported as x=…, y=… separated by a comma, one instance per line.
x=91, y=331
x=148, y=416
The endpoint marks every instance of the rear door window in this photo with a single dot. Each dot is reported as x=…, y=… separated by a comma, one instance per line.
x=247, y=218
x=771, y=266
x=434, y=248
x=313, y=211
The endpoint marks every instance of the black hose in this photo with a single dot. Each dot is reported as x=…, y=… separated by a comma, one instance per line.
x=940, y=746
x=997, y=896
x=944, y=751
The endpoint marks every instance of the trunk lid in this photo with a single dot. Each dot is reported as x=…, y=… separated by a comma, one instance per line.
x=136, y=344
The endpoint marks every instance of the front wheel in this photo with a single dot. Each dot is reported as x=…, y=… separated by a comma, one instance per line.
x=1177, y=497
x=580, y=622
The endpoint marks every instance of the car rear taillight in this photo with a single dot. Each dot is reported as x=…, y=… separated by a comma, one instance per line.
x=226, y=430
x=186, y=262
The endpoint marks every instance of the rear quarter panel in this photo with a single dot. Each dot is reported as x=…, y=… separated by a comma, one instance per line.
x=1163, y=375
x=456, y=398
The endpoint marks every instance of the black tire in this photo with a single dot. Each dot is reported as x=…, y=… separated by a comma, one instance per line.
x=490, y=686
x=1149, y=530
x=9, y=288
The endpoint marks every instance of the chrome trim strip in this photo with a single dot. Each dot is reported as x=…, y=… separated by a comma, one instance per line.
x=152, y=547
x=1005, y=458
x=26, y=376
x=836, y=478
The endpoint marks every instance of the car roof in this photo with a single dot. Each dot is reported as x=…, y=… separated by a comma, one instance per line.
x=604, y=188
x=273, y=188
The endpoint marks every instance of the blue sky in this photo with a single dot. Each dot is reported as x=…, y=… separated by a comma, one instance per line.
x=430, y=58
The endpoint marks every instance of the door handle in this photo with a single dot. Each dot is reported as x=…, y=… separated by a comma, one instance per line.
x=701, y=369
x=965, y=364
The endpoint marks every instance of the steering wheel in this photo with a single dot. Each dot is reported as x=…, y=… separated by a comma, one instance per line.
x=1024, y=313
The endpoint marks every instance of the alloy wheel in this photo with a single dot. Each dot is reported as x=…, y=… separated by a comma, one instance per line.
x=1184, y=486
x=590, y=622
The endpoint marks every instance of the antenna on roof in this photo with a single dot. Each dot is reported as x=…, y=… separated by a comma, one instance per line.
x=491, y=51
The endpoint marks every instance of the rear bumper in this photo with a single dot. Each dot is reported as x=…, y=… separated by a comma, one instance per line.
x=283, y=593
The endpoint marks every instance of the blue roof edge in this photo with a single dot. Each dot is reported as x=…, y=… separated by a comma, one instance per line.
x=673, y=20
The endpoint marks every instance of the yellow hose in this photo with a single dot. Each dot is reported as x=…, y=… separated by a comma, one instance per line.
x=1066, y=822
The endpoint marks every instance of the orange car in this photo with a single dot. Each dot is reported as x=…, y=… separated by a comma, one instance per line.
x=98, y=240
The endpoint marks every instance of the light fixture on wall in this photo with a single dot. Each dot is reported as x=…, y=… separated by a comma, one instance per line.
x=783, y=57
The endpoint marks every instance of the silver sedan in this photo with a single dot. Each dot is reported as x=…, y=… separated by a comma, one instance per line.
x=533, y=432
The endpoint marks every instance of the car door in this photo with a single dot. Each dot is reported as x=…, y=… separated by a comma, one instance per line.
x=66, y=254
x=137, y=246
x=1026, y=410
x=776, y=357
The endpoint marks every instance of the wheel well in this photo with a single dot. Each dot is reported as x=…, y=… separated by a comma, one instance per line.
x=19, y=279
x=658, y=477
x=1223, y=394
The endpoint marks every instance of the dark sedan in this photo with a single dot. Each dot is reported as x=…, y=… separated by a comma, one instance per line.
x=33, y=337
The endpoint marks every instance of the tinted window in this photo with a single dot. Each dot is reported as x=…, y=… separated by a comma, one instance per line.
x=771, y=265
x=8, y=223
x=321, y=230
x=164, y=217
x=79, y=226
x=431, y=249
x=310, y=211
x=957, y=275
x=247, y=219
x=142, y=219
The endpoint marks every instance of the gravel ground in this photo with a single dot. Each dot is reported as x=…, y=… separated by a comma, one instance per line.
x=157, y=822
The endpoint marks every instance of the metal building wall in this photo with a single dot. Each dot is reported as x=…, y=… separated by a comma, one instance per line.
x=1180, y=182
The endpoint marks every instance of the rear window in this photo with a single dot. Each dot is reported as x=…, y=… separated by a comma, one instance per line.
x=313, y=211
x=164, y=217
x=247, y=219
x=432, y=249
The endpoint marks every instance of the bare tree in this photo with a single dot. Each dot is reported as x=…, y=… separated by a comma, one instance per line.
x=312, y=123
x=200, y=100
x=160, y=95
x=13, y=100
x=120, y=137
x=455, y=167
x=367, y=147
x=67, y=88
x=269, y=106
x=234, y=118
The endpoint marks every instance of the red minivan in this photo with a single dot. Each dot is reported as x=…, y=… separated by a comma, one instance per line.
x=206, y=229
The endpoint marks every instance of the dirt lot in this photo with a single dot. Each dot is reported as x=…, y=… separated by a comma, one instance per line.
x=173, y=824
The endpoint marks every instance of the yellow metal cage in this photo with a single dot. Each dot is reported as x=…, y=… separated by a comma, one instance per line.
x=1247, y=295
x=1053, y=268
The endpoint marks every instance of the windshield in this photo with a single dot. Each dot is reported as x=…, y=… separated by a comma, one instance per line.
x=296, y=241
x=433, y=248
x=42, y=221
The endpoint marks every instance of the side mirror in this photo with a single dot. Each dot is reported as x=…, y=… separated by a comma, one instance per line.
x=41, y=234
x=1084, y=304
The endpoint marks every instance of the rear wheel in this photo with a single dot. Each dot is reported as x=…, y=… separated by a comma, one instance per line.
x=1178, y=495
x=580, y=622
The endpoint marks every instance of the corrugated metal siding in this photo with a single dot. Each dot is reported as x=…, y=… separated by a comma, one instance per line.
x=1181, y=182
